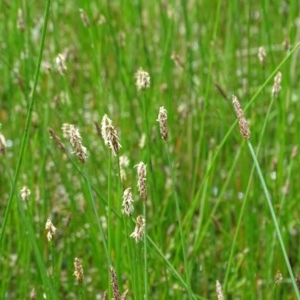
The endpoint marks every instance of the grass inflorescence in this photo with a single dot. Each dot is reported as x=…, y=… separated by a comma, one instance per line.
x=149, y=150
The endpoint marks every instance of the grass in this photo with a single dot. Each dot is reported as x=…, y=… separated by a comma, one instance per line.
x=218, y=207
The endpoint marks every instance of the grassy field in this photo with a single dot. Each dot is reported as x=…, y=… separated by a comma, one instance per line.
x=102, y=197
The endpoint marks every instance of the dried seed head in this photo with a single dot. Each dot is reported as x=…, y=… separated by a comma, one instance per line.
x=51, y=230
x=2, y=144
x=114, y=284
x=20, y=20
x=244, y=127
x=262, y=56
x=141, y=182
x=142, y=79
x=78, y=270
x=139, y=229
x=73, y=134
x=277, y=85
x=84, y=18
x=61, y=63
x=162, y=120
x=25, y=193
x=57, y=140
x=109, y=135
x=219, y=291
x=127, y=203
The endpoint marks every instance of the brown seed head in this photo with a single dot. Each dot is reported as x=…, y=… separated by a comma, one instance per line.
x=78, y=270
x=127, y=203
x=57, y=140
x=109, y=135
x=72, y=133
x=162, y=120
x=114, y=284
x=84, y=18
x=244, y=127
x=141, y=182
x=139, y=229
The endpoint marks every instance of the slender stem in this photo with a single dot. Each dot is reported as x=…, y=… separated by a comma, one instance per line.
x=179, y=220
x=269, y=201
x=28, y=122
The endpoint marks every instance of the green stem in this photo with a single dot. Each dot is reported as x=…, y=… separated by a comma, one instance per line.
x=28, y=122
x=269, y=201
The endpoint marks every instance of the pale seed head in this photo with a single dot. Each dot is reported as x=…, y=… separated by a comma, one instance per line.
x=142, y=79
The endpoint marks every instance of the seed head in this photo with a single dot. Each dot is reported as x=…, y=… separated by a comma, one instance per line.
x=2, y=144
x=114, y=284
x=244, y=127
x=57, y=140
x=277, y=85
x=127, y=203
x=78, y=270
x=51, y=230
x=84, y=18
x=109, y=135
x=61, y=63
x=162, y=120
x=72, y=133
x=25, y=193
x=141, y=182
x=142, y=79
x=139, y=229
x=262, y=56
x=219, y=291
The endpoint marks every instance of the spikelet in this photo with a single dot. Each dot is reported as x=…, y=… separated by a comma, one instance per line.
x=71, y=132
x=61, y=63
x=244, y=127
x=84, y=18
x=142, y=79
x=219, y=291
x=277, y=85
x=141, y=182
x=262, y=56
x=139, y=229
x=51, y=230
x=25, y=193
x=78, y=270
x=114, y=284
x=162, y=120
x=109, y=135
x=127, y=206
x=57, y=140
